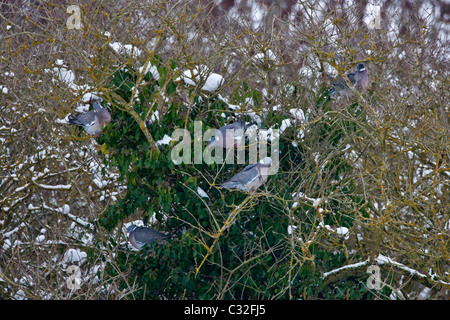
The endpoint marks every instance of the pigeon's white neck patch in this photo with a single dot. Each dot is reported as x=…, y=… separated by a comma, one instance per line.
x=265, y=161
x=363, y=69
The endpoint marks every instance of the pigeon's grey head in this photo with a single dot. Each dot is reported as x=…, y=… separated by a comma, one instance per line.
x=97, y=106
x=131, y=228
x=213, y=138
x=361, y=67
x=266, y=162
x=102, y=113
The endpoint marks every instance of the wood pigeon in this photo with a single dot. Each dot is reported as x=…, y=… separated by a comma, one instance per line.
x=139, y=236
x=251, y=177
x=229, y=134
x=358, y=79
x=92, y=121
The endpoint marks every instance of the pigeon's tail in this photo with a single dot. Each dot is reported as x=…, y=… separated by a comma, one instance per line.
x=231, y=185
x=227, y=185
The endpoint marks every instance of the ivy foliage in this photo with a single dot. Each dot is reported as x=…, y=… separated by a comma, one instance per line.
x=231, y=245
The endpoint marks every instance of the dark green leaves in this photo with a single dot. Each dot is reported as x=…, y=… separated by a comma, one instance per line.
x=251, y=249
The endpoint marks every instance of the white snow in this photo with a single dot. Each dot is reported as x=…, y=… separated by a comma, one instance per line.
x=20, y=295
x=257, y=14
x=65, y=75
x=65, y=209
x=40, y=238
x=261, y=57
x=197, y=74
x=152, y=69
x=202, y=193
x=300, y=195
x=55, y=187
x=286, y=123
x=298, y=114
x=349, y=266
x=372, y=16
x=447, y=225
x=381, y=259
x=154, y=117
x=126, y=49
x=291, y=229
x=213, y=82
x=165, y=140
x=74, y=255
x=342, y=231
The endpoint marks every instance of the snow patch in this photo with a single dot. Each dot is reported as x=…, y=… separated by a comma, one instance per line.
x=197, y=74
x=125, y=49
x=74, y=256
x=165, y=140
